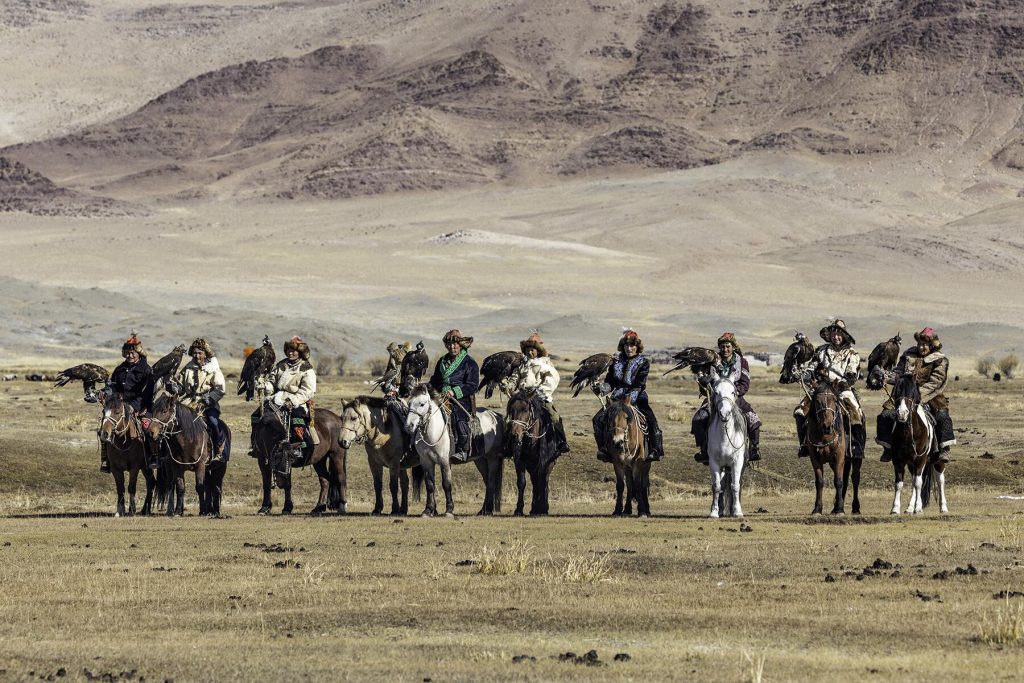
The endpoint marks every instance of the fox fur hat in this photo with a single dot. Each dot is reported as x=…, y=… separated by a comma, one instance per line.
x=133, y=343
x=837, y=324
x=929, y=337
x=533, y=342
x=298, y=344
x=730, y=338
x=456, y=336
x=629, y=334
x=202, y=345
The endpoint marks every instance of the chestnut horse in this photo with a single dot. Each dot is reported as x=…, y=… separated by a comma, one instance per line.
x=530, y=440
x=625, y=441
x=122, y=436
x=329, y=460
x=183, y=444
x=913, y=445
x=829, y=441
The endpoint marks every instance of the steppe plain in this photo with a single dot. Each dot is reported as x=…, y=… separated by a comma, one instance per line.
x=362, y=172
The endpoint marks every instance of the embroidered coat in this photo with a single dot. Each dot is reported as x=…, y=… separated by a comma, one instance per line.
x=629, y=376
x=460, y=375
x=292, y=381
x=198, y=382
x=540, y=374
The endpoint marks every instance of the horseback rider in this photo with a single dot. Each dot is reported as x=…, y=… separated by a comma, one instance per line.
x=457, y=377
x=292, y=385
x=835, y=361
x=539, y=374
x=627, y=376
x=133, y=379
x=930, y=369
x=732, y=365
x=200, y=386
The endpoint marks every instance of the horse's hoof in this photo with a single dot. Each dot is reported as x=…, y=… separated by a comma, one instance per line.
x=714, y=514
x=286, y=511
x=376, y=513
x=450, y=515
x=265, y=510
x=643, y=515
x=318, y=511
x=517, y=513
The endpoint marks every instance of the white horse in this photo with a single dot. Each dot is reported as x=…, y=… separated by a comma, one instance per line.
x=727, y=444
x=431, y=431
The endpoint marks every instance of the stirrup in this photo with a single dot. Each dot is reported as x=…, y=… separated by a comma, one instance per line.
x=701, y=457
x=603, y=456
x=460, y=456
x=754, y=454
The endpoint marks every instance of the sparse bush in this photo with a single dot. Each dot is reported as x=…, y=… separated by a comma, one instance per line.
x=1008, y=365
x=580, y=569
x=1005, y=627
x=513, y=557
x=377, y=366
x=985, y=365
x=324, y=366
x=339, y=364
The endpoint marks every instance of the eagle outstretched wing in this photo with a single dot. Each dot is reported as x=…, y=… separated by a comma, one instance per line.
x=168, y=365
x=414, y=366
x=258, y=363
x=591, y=371
x=697, y=358
x=498, y=368
x=88, y=373
x=883, y=357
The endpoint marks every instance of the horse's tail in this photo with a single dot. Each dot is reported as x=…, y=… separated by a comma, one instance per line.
x=498, y=485
x=417, y=482
x=926, y=485
x=333, y=489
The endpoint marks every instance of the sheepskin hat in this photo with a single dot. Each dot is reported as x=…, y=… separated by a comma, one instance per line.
x=629, y=334
x=929, y=337
x=837, y=324
x=203, y=346
x=298, y=344
x=533, y=342
x=729, y=337
x=456, y=336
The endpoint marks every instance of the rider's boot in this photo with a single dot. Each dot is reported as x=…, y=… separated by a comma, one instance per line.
x=252, y=435
x=104, y=463
x=409, y=455
x=886, y=454
x=801, y=435
x=859, y=436
x=655, y=449
x=217, y=446
x=700, y=437
x=563, y=443
x=946, y=435
x=943, y=455
x=461, y=453
x=755, y=444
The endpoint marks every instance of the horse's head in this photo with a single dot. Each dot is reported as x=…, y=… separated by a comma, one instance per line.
x=355, y=418
x=162, y=417
x=724, y=398
x=905, y=396
x=825, y=402
x=115, y=417
x=522, y=419
x=421, y=402
x=620, y=420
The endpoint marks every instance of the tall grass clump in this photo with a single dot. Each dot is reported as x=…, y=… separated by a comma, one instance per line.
x=1005, y=626
x=512, y=557
x=1008, y=365
x=985, y=365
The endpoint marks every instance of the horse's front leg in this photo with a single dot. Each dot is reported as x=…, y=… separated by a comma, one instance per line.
x=897, y=467
x=403, y=486
x=285, y=481
x=394, y=469
x=819, y=484
x=323, y=476
x=179, y=487
x=837, y=481
x=940, y=470
x=716, y=487
x=520, y=487
x=147, y=506
x=446, y=484
x=265, y=475
x=201, y=490
x=641, y=471
x=133, y=479
x=118, y=475
x=628, y=476
x=428, y=480
x=915, y=505
x=338, y=461
x=620, y=485
x=855, y=504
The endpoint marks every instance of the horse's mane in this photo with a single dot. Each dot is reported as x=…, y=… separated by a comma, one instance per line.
x=616, y=407
x=426, y=389
x=191, y=429
x=905, y=386
x=370, y=401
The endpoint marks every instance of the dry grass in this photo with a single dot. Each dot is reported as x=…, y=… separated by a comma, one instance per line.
x=511, y=557
x=1004, y=626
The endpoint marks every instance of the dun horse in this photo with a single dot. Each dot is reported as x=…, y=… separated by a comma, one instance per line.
x=432, y=434
x=122, y=436
x=183, y=444
x=624, y=441
x=829, y=443
x=530, y=440
x=913, y=444
x=369, y=421
x=329, y=459
x=727, y=447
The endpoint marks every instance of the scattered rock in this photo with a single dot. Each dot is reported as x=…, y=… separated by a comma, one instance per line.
x=761, y=511
x=622, y=657
x=925, y=597
x=371, y=544
x=1002, y=595
x=519, y=659
x=987, y=456
x=465, y=563
x=746, y=528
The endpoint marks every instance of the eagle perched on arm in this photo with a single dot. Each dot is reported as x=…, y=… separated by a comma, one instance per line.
x=257, y=364
x=697, y=358
x=798, y=353
x=591, y=372
x=883, y=357
x=168, y=366
x=89, y=374
x=498, y=368
x=414, y=365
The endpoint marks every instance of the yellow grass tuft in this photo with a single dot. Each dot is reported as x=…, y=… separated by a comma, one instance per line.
x=756, y=664
x=1005, y=626
x=579, y=569
x=72, y=423
x=512, y=557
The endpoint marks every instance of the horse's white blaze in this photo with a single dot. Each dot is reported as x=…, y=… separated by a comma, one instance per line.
x=902, y=411
x=727, y=445
x=896, y=499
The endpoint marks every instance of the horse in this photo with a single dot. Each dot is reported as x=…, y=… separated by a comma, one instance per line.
x=829, y=442
x=122, y=436
x=184, y=444
x=625, y=441
x=530, y=440
x=913, y=444
x=329, y=459
x=369, y=421
x=727, y=446
x=432, y=434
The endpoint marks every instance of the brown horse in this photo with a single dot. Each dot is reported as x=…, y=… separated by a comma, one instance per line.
x=369, y=421
x=913, y=446
x=183, y=444
x=829, y=442
x=329, y=459
x=122, y=437
x=624, y=440
x=531, y=441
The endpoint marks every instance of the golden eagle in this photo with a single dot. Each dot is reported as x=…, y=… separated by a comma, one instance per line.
x=498, y=368
x=88, y=373
x=883, y=357
x=798, y=353
x=591, y=372
x=257, y=364
x=414, y=365
x=168, y=366
x=697, y=358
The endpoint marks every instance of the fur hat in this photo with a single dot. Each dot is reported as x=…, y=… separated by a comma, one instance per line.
x=133, y=343
x=929, y=337
x=456, y=336
x=630, y=334
x=533, y=342
x=298, y=344
x=730, y=338
x=203, y=346
x=836, y=324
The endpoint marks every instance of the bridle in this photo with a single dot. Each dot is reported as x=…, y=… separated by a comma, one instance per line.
x=832, y=413
x=528, y=425
x=423, y=419
x=911, y=413
x=641, y=424
x=736, y=413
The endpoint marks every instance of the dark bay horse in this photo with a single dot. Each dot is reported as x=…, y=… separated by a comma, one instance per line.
x=329, y=459
x=370, y=421
x=530, y=440
x=124, y=440
x=183, y=444
x=829, y=441
x=913, y=445
x=625, y=442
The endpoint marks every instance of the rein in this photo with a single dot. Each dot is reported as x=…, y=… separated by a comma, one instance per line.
x=422, y=426
x=737, y=415
x=167, y=432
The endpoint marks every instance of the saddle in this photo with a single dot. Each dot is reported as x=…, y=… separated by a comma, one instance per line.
x=476, y=438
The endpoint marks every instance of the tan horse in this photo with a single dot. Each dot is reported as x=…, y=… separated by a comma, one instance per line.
x=121, y=436
x=624, y=441
x=367, y=420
